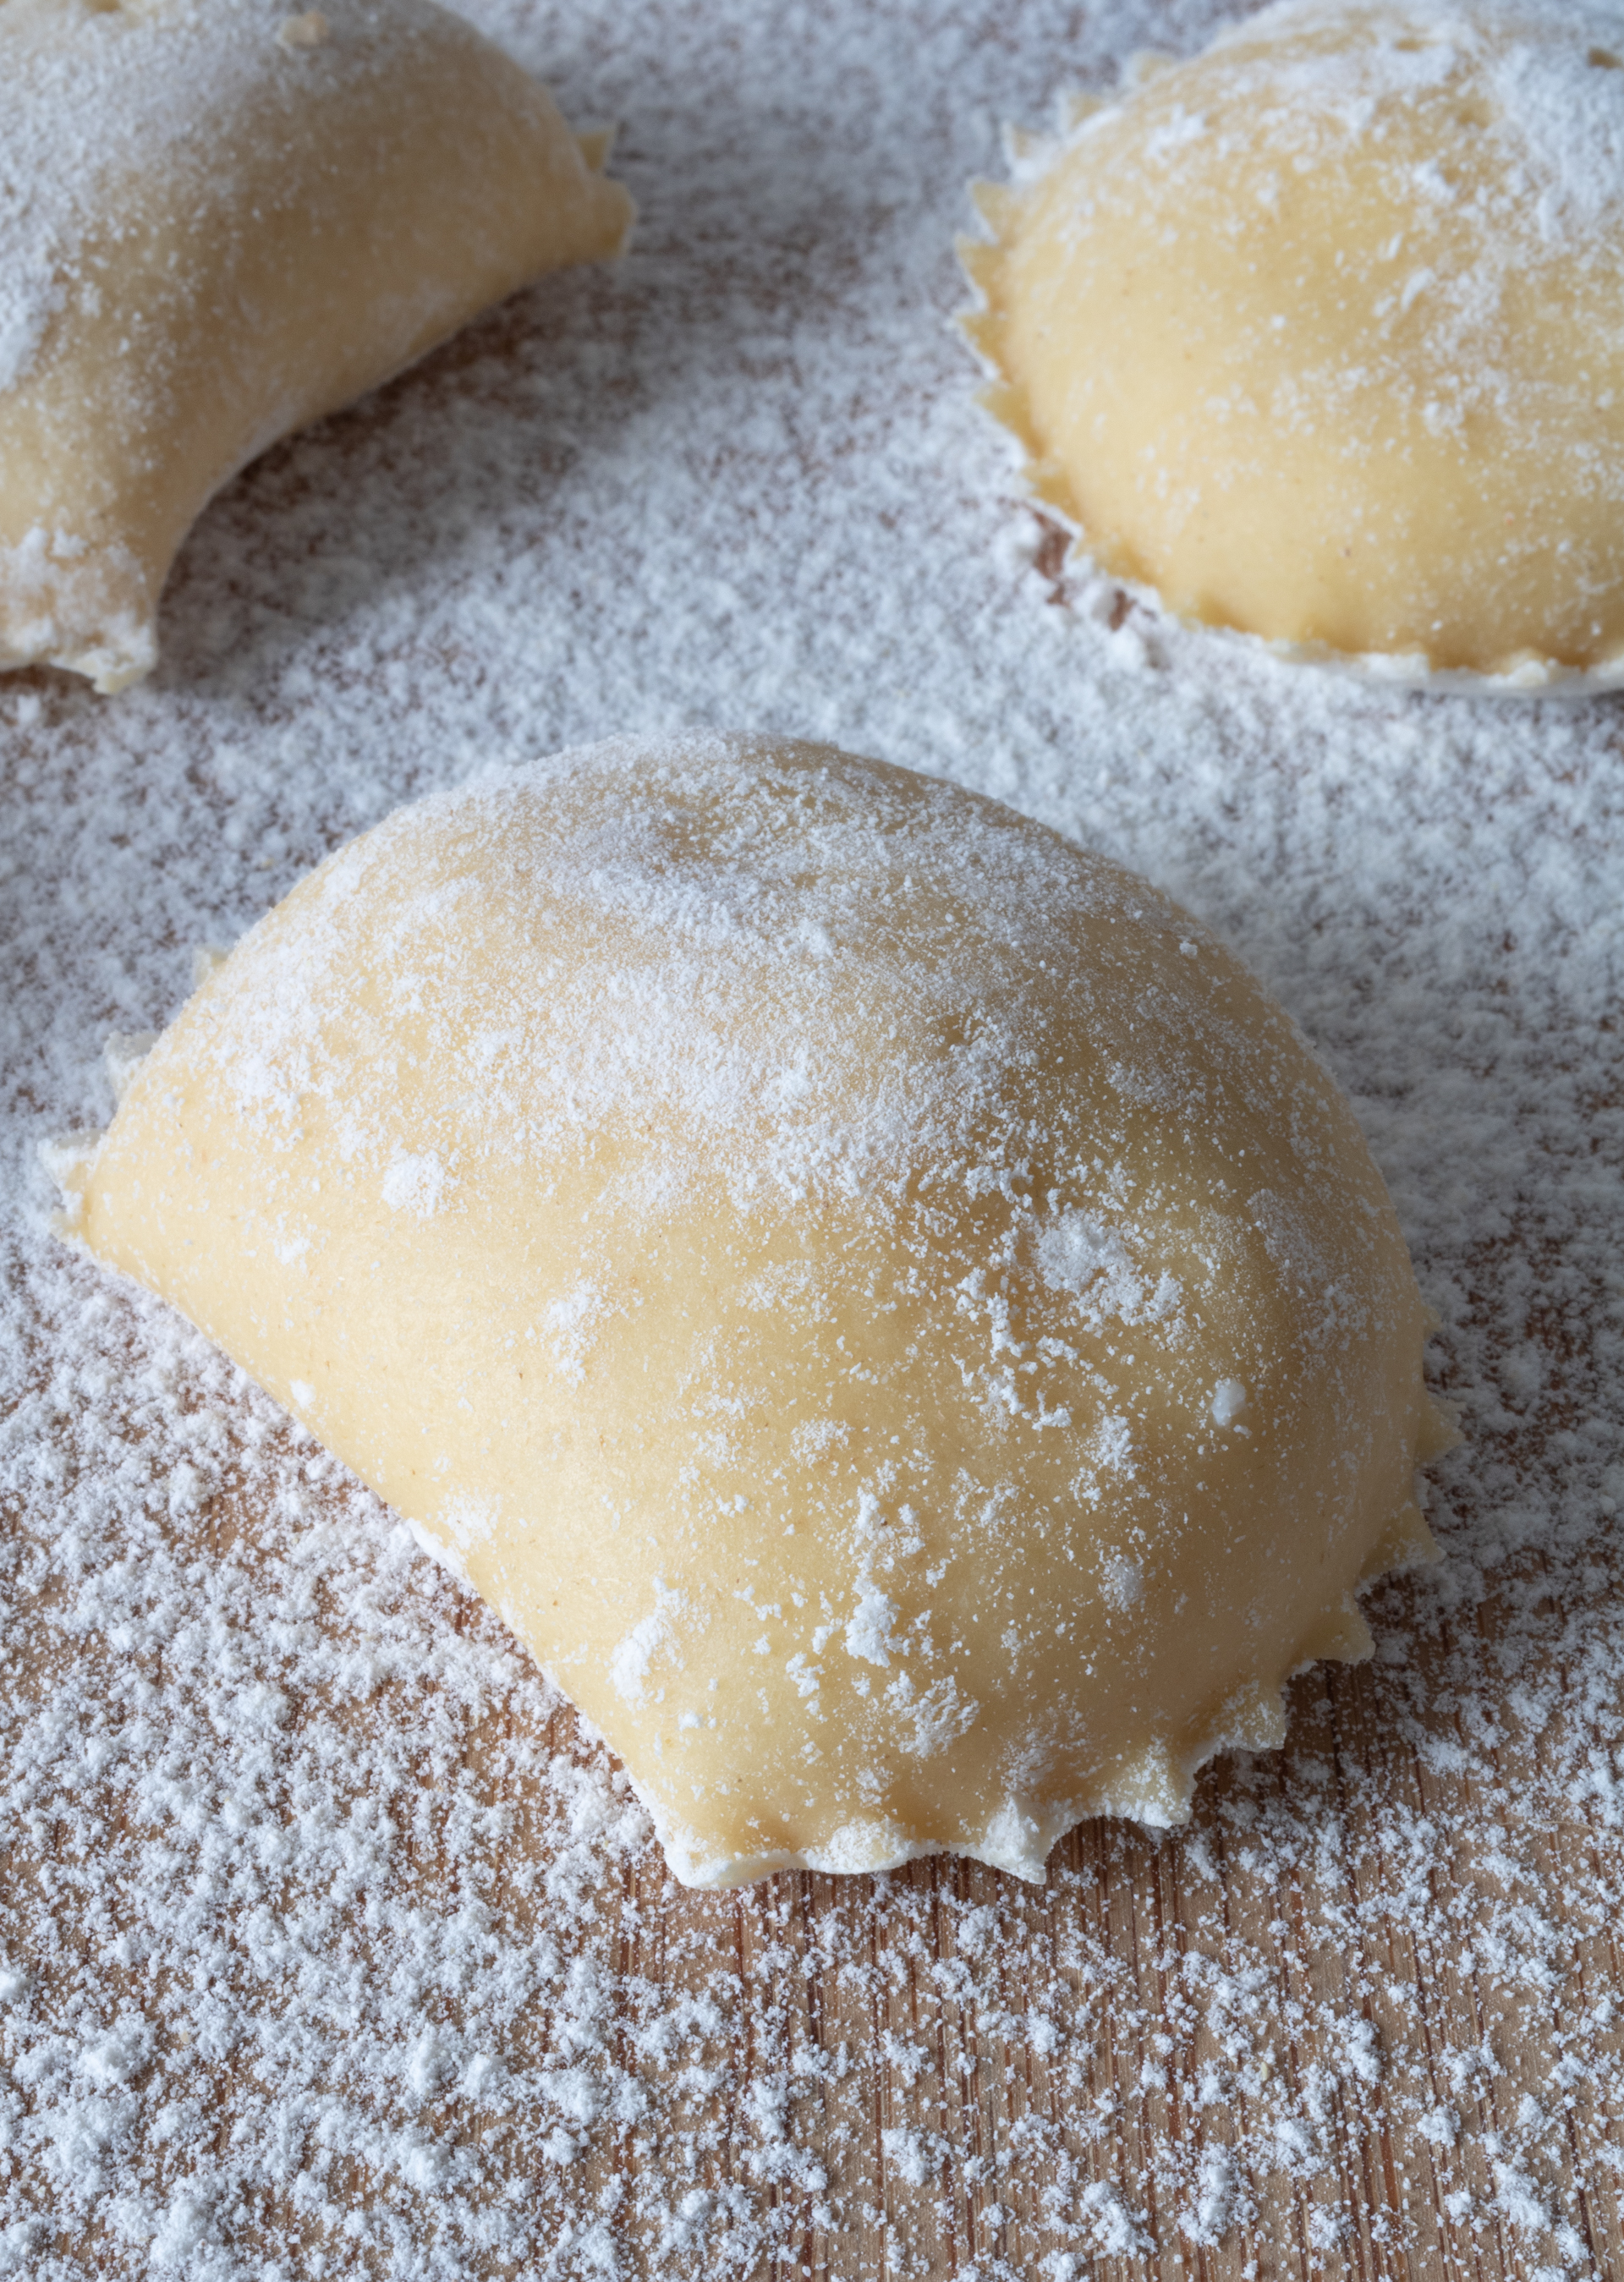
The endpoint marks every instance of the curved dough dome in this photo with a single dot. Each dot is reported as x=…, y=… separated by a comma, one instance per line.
x=1317, y=335
x=218, y=220
x=882, y=1304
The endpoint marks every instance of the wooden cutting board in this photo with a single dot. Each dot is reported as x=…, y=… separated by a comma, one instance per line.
x=328, y=1945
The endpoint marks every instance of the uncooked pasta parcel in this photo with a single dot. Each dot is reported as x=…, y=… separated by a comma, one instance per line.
x=874, y=1295
x=1314, y=335
x=218, y=220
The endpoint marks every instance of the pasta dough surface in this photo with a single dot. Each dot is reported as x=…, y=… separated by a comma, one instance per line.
x=882, y=1304
x=1316, y=335
x=218, y=220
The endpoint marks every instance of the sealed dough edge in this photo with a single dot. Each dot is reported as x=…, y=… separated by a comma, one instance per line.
x=1529, y=679
x=873, y=1296
x=190, y=279
x=1542, y=443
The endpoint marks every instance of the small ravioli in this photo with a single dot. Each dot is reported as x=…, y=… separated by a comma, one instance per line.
x=874, y=1294
x=1316, y=336
x=220, y=220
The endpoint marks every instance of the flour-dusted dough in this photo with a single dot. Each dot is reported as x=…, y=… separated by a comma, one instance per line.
x=1317, y=335
x=882, y=1304
x=219, y=219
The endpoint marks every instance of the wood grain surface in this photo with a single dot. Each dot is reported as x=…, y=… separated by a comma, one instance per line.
x=1360, y=2010
x=328, y=1946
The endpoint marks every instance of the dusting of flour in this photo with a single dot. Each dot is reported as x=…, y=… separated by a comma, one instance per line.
x=328, y=1946
x=93, y=100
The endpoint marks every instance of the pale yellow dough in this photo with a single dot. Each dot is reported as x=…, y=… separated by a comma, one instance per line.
x=219, y=219
x=1317, y=335
x=882, y=1304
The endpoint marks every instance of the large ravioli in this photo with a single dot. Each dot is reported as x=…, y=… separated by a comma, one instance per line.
x=1316, y=335
x=219, y=219
x=882, y=1304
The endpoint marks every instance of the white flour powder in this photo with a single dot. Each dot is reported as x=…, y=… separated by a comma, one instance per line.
x=326, y=1946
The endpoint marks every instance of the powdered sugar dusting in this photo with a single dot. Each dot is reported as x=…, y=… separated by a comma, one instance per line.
x=326, y=1941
